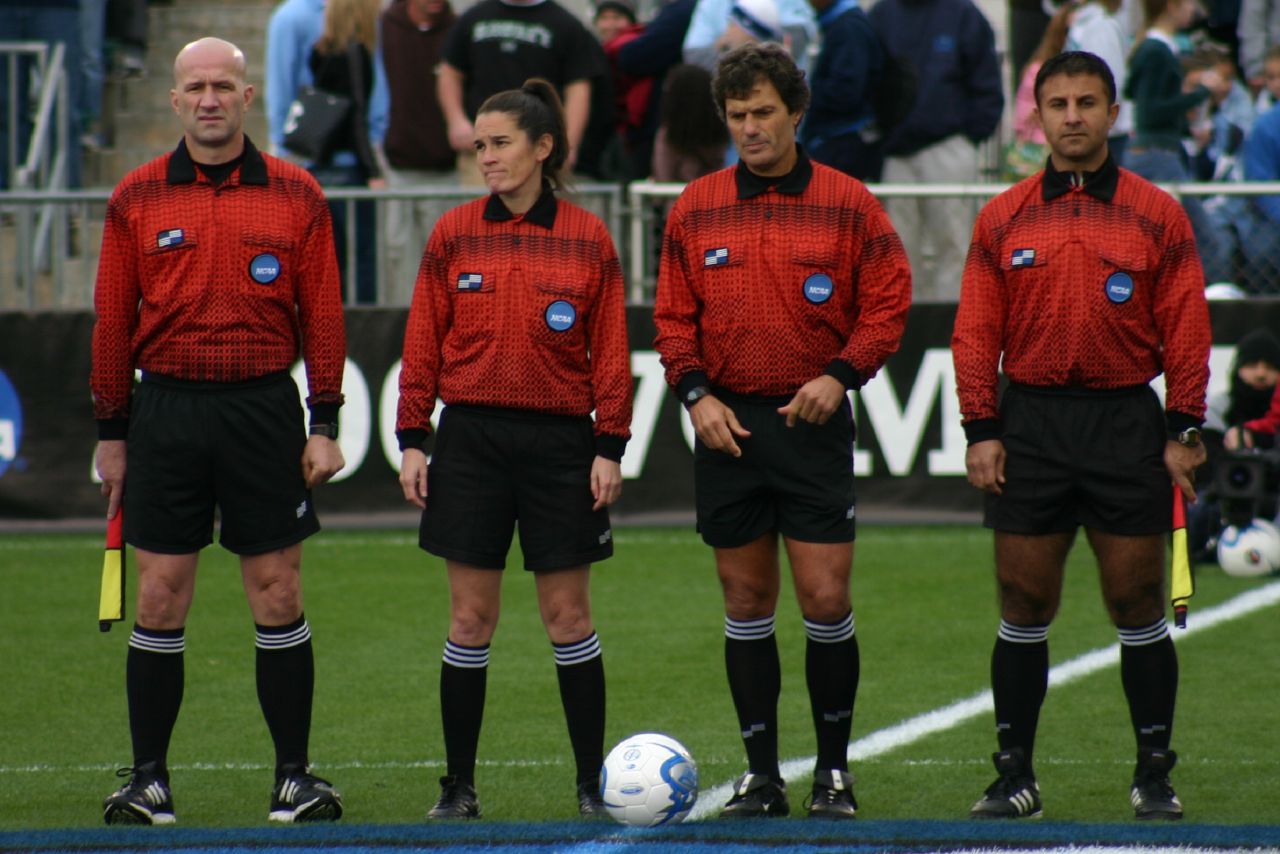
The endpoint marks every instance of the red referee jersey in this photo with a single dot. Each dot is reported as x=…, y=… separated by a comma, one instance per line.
x=1093, y=286
x=519, y=312
x=765, y=287
x=221, y=284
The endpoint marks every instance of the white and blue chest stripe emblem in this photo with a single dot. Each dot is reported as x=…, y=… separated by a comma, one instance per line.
x=470, y=281
x=170, y=237
x=715, y=257
x=1023, y=258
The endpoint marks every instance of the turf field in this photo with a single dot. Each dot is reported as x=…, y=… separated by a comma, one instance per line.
x=924, y=605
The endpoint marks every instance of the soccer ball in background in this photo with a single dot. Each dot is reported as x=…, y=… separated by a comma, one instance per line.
x=1250, y=551
x=649, y=779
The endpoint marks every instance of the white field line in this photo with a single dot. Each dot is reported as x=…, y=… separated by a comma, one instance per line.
x=946, y=717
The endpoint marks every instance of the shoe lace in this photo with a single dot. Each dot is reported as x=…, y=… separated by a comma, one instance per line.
x=1007, y=785
x=1156, y=786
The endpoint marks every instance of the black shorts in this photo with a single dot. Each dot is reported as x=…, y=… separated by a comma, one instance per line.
x=795, y=480
x=194, y=446
x=492, y=469
x=1082, y=457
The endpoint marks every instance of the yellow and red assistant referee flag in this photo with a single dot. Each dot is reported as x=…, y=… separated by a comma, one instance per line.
x=1181, y=585
x=111, y=601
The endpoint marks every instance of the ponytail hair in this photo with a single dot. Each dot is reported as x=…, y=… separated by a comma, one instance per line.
x=537, y=111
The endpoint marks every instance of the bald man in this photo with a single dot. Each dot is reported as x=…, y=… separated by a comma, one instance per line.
x=217, y=272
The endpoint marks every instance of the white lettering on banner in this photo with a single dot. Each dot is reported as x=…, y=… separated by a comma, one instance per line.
x=8, y=442
x=353, y=418
x=650, y=392
x=899, y=432
x=388, y=403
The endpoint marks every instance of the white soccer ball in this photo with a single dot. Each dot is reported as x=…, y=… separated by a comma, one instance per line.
x=1250, y=551
x=649, y=779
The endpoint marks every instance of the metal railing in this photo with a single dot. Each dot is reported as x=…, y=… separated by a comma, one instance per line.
x=633, y=214
x=40, y=229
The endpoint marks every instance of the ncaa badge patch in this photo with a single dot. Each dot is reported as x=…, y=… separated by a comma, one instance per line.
x=170, y=237
x=265, y=268
x=818, y=288
x=1119, y=287
x=560, y=315
x=1023, y=258
x=470, y=281
x=716, y=257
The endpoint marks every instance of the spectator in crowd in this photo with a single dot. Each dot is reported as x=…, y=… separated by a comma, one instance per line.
x=127, y=26
x=49, y=22
x=691, y=140
x=838, y=128
x=1257, y=432
x=1252, y=223
x=292, y=32
x=417, y=146
x=498, y=44
x=1101, y=28
x=1269, y=95
x=1161, y=100
x=959, y=102
x=1026, y=154
x=342, y=62
x=598, y=155
x=1219, y=125
x=1259, y=31
x=652, y=54
x=1254, y=375
x=632, y=94
x=93, y=29
x=721, y=25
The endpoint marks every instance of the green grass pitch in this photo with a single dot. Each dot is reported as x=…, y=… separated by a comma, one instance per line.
x=924, y=601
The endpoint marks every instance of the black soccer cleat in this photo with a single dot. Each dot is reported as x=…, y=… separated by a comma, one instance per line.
x=299, y=795
x=1014, y=794
x=832, y=795
x=457, y=800
x=1151, y=794
x=145, y=799
x=590, y=804
x=757, y=796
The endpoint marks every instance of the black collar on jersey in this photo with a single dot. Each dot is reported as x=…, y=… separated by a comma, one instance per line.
x=542, y=213
x=793, y=183
x=182, y=169
x=1101, y=184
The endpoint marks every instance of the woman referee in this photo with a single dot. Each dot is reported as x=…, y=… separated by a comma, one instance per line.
x=518, y=325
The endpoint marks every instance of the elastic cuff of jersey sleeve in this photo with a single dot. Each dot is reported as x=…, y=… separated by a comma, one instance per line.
x=981, y=430
x=691, y=380
x=846, y=373
x=610, y=447
x=324, y=413
x=1176, y=422
x=110, y=429
x=415, y=438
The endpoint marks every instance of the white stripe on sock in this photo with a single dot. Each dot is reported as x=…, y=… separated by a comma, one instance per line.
x=1022, y=634
x=283, y=640
x=579, y=651
x=1144, y=635
x=151, y=643
x=467, y=657
x=748, y=629
x=830, y=632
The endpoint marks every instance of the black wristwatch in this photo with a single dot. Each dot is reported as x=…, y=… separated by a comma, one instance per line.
x=1189, y=438
x=327, y=430
x=694, y=395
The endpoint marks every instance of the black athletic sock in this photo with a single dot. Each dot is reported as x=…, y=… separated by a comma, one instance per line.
x=580, y=671
x=463, y=677
x=1019, y=679
x=286, y=682
x=154, y=679
x=755, y=680
x=1149, y=672
x=831, y=669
